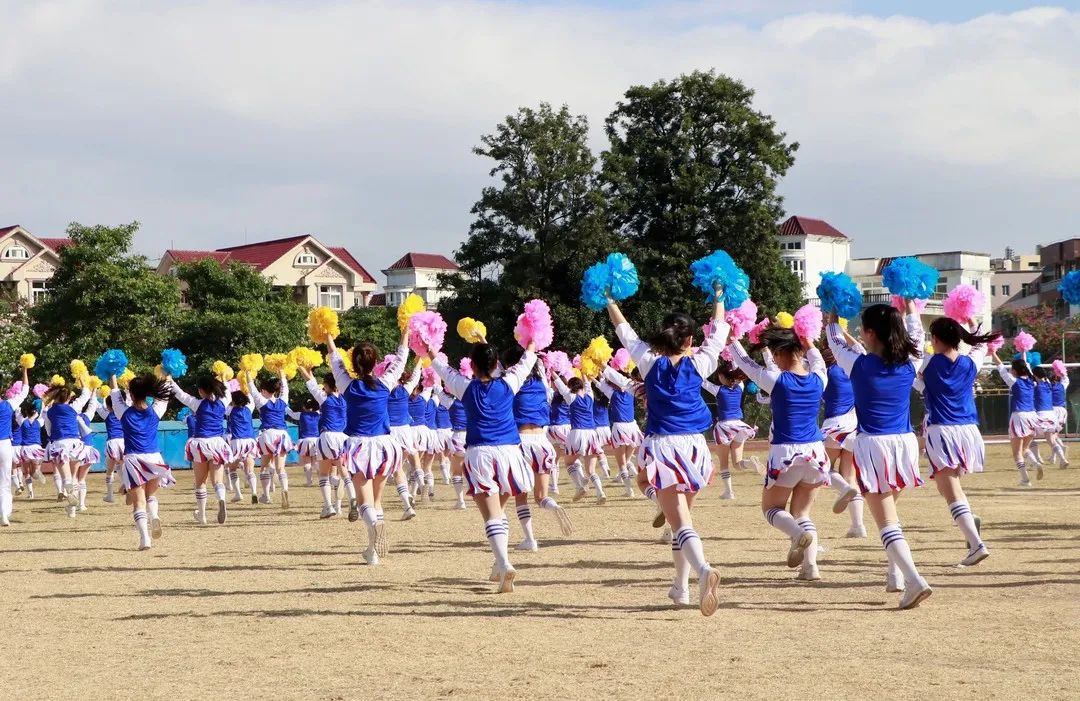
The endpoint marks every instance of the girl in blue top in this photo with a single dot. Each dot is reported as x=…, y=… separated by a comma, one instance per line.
x=583, y=445
x=674, y=455
x=144, y=468
x=730, y=431
x=372, y=454
x=243, y=445
x=31, y=451
x=61, y=421
x=840, y=428
x=307, y=443
x=402, y=431
x=886, y=450
x=495, y=467
x=206, y=447
x=1023, y=420
x=330, y=448
x=602, y=419
x=954, y=445
x=798, y=463
x=1044, y=408
x=1059, y=391
x=422, y=437
x=459, y=425
x=626, y=435
x=114, y=446
x=8, y=409
x=271, y=399
x=532, y=411
x=431, y=426
x=444, y=433
x=89, y=456
x=559, y=432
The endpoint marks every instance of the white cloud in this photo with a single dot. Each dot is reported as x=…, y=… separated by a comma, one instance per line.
x=354, y=120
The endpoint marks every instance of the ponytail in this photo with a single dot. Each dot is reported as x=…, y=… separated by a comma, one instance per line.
x=671, y=339
x=951, y=333
x=365, y=357
x=888, y=325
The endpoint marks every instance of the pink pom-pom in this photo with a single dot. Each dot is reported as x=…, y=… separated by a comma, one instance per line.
x=755, y=332
x=621, y=360
x=380, y=367
x=40, y=390
x=465, y=368
x=576, y=362
x=995, y=345
x=1059, y=368
x=741, y=319
x=428, y=377
x=233, y=385
x=900, y=304
x=726, y=354
x=808, y=322
x=427, y=330
x=1023, y=342
x=535, y=325
x=14, y=390
x=964, y=302
x=558, y=363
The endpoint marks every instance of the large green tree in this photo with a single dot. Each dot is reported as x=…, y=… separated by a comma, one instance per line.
x=374, y=325
x=17, y=335
x=537, y=228
x=104, y=296
x=692, y=167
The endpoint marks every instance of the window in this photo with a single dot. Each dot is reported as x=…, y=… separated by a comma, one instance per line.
x=797, y=245
x=796, y=266
x=993, y=290
x=1025, y=289
x=330, y=296
x=16, y=252
x=39, y=291
x=306, y=260
x=1005, y=290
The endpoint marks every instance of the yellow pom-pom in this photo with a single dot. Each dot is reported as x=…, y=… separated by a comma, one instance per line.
x=599, y=351
x=126, y=378
x=929, y=348
x=306, y=358
x=785, y=320
x=425, y=362
x=346, y=359
x=103, y=391
x=412, y=304
x=27, y=360
x=843, y=324
x=251, y=363
x=471, y=330
x=274, y=362
x=78, y=369
x=57, y=381
x=323, y=324
x=242, y=378
x=93, y=383
x=222, y=371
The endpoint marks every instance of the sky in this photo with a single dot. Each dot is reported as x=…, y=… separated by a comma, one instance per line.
x=923, y=126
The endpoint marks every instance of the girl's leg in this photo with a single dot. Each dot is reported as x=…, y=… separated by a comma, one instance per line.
x=365, y=494
x=948, y=486
x=110, y=471
x=401, y=484
x=457, y=478
x=71, y=486
x=774, y=502
x=687, y=551
x=217, y=474
x=548, y=503
x=524, y=514
x=560, y=459
x=1017, y=445
x=428, y=462
x=283, y=479
x=58, y=480
x=253, y=482
x=81, y=471
x=266, y=476
x=6, y=499
x=137, y=498
x=150, y=488
x=855, y=507
x=802, y=499
x=723, y=452
x=308, y=464
x=444, y=465
x=903, y=575
x=201, y=471
x=326, y=468
x=495, y=526
x=576, y=470
x=591, y=464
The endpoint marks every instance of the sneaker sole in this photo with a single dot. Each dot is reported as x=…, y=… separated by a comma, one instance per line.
x=408, y=516
x=844, y=500
x=506, y=582
x=659, y=520
x=155, y=528
x=382, y=543
x=565, y=526
x=354, y=513
x=979, y=557
x=919, y=598
x=222, y=514
x=798, y=548
x=284, y=500
x=710, y=600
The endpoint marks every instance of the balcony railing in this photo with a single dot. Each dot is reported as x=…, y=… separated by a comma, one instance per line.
x=935, y=300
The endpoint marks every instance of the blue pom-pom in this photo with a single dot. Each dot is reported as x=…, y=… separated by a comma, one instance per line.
x=718, y=268
x=910, y=278
x=624, y=277
x=839, y=293
x=112, y=362
x=1033, y=358
x=173, y=362
x=183, y=414
x=1070, y=287
x=752, y=388
x=594, y=286
x=37, y=405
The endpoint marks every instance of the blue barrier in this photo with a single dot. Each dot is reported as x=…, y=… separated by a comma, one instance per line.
x=172, y=437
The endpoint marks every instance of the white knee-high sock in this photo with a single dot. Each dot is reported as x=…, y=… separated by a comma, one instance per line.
x=784, y=522
x=403, y=494
x=266, y=478
x=324, y=487
x=682, y=567
x=142, y=526
x=350, y=489
x=200, y=500
x=690, y=545
x=892, y=537
x=524, y=515
x=838, y=483
x=549, y=503
x=497, y=535
x=429, y=482
x=219, y=491
x=152, y=507
x=577, y=474
x=965, y=521
x=810, y=554
x=82, y=494
x=58, y=480
x=1021, y=467
x=855, y=508
x=253, y=483
x=283, y=478
x=650, y=493
x=598, y=485
x=370, y=517
x=459, y=486
x=725, y=477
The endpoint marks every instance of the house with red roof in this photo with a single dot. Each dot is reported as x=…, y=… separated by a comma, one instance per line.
x=810, y=247
x=417, y=273
x=27, y=262
x=316, y=274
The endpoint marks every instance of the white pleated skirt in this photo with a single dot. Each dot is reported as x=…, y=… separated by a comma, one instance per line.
x=959, y=447
x=790, y=464
x=886, y=463
x=682, y=461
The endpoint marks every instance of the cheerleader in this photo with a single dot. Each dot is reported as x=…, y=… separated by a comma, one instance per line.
x=307, y=444
x=954, y=445
x=31, y=451
x=17, y=484
x=401, y=430
x=602, y=419
x=1023, y=421
x=114, y=446
x=674, y=454
x=495, y=466
x=144, y=470
x=532, y=411
x=626, y=436
x=372, y=454
x=1044, y=408
x=330, y=447
x=559, y=433
x=840, y=428
x=1059, y=389
x=206, y=447
x=730, y=431
x=458, y=425
x=886, y=450
x=243, y=445
x=65, y=440
x=798, y=463
x=8, y=408
x=444, y=432
x=421, y=437
x=271, y=399
x=583, y=443
x=431, y=428
x=89, y=455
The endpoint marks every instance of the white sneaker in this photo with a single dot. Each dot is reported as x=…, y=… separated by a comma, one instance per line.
x=155, y=528
x=200, y=518
x=894, y=582
x=530, y=546
x=856, y=532
x=506, y=581
x=665, y=535
x=601, y=499
x=371, y=557
x=82, y=508
x=144, y=546
x=808, y=573
x=708, y=583
x=4, y=521
x=579, y=495
x=72, y=497
x=915, y=594
x=728, y=495
x=237, y=498
x=629, y=490
x=842, y=501
x=327, y=512
x=263, y=499
x=679, y=597
x=798, y=548
x=71, y=510
x=382, y=542
x=408, y=514
x=461, y=506
x=1025, y=482
x=976, y=556
x=108, y=498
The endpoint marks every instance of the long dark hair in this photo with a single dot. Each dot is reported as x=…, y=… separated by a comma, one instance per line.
x=512, y=356
x=60, y=394
x=144, y=387
x=888, y=325
x=212, y=386
x=272, y=385
x=1040, y=373
x=1020, y=368
x=364, y=358
x=951, y=333
x=677, y=327
x=239, y=398
x=329, y=382
x=485, y=358
x=779, y=341
x=727, y=371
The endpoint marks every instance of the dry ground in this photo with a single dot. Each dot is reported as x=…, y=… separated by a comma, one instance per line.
x=278, y=603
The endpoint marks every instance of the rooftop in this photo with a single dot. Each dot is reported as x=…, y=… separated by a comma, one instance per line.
x=423, y=260
x=808, y=226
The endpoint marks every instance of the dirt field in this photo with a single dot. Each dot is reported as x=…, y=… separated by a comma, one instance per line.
x=277, y=603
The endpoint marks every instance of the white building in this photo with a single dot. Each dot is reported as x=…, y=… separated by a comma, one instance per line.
x=810, y=247
x=419, y=273
x=27, y=262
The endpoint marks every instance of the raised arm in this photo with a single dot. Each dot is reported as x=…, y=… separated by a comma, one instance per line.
x=414, y=378
x=564, y=391
x=256, y=397
x=1006, y=376
x=639, y=351
x=119, y=404
x=845, y=355
x=515, y=377
x=183, y=397
x=284, y=393
x=605, y=387
x=913, y=325
x=617, y=379
x=294, y=415
x=16, y=401
x=84, y=426
x=707, y=358
x=765, y=378
x=84, y=397
x=710, y=387
x=817, y=364
x=315, y=390
x=455, y=382
x=160, y=407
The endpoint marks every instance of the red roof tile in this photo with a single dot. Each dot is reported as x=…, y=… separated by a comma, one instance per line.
x=805, y=226
x=343, y=253
x=180, y=256
x=4, y=230
x=377, y=300
x=55, y=244
x=424, y=260
x=261, y=255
